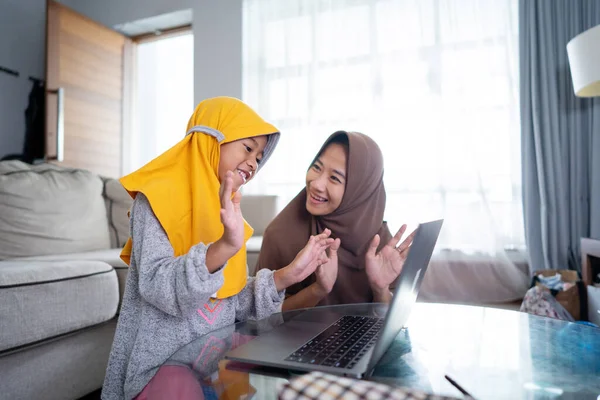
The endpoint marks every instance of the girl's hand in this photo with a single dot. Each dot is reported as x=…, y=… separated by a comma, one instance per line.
x=306, y=261
x=231, y=215
x=327, y=273
x=384, y=267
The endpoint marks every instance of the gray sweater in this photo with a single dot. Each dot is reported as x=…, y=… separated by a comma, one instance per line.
x=167, y=303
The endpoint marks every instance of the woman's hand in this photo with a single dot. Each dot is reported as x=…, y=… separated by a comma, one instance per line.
x=384, y=267
x=231, y=215
x=327, y=273
x=306, y=261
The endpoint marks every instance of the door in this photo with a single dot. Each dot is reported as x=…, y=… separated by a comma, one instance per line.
x=85, y=68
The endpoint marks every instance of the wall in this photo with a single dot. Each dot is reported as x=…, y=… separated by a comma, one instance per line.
x=217, y=27
x=22, y=48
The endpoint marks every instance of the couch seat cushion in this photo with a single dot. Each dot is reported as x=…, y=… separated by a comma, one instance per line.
x=44, y=299
x=110, y=256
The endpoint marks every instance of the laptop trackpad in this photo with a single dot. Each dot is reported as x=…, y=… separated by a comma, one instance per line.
x=276, y=345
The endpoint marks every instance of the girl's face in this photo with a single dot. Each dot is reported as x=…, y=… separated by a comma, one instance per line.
x=241, y=157
x=326, y=181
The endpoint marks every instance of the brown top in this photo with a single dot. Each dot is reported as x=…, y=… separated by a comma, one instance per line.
x=358, y=218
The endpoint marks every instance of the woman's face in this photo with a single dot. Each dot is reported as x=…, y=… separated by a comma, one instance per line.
x=326, y=181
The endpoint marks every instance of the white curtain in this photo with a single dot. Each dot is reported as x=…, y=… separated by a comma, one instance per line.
x=434, y=82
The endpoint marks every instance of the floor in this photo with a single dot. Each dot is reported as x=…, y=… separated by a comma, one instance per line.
x=514, y=305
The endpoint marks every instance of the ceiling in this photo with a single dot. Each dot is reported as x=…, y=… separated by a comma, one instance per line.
x=156, y=24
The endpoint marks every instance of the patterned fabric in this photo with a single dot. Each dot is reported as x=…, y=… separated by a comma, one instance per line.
x=318, y=385
x=541, y=302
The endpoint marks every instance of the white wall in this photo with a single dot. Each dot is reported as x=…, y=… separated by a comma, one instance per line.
x=217, y=29
x=22, y=48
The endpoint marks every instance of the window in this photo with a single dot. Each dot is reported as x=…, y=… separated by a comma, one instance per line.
x=434, y=82
x=163, y=95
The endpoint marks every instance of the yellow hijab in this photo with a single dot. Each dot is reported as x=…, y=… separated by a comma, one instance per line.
x=182, y=184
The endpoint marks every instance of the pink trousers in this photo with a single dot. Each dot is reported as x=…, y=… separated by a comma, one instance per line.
x=172, y=382
x=179, y=382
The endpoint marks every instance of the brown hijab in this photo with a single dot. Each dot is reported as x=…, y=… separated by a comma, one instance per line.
x=358, y=218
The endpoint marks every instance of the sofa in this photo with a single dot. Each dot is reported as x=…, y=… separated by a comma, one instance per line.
x=259, y=211
x=61, y=278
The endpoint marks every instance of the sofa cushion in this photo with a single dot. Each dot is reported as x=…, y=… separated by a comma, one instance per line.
x=44, y=299
x=252, y=251
x=259, y=211
x=13, y=165
x=46, y=209
x=110, y=256
x=253, y=244
x=118, y=203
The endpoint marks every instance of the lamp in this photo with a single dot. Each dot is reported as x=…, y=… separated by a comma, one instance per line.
x=584, y=58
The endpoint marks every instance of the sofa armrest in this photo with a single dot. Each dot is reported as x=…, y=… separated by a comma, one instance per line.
x=118, y=202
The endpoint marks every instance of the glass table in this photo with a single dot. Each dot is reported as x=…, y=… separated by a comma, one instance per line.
x=491, y=353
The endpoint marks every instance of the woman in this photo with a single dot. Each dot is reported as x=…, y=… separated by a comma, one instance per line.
x=345, y=194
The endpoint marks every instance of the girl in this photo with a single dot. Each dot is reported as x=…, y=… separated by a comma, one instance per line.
x=186, y=252
x=345, y=193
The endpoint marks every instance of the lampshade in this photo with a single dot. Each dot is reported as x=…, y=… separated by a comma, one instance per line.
x=584, y=58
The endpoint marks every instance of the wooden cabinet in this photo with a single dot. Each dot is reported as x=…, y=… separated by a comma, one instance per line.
x=86, y=66
x=590, y=260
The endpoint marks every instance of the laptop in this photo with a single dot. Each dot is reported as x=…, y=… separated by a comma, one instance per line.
x=349, y=345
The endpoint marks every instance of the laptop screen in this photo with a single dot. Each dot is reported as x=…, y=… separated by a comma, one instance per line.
x=407, y=288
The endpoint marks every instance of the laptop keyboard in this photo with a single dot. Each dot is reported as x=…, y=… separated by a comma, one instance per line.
x=340, y=345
